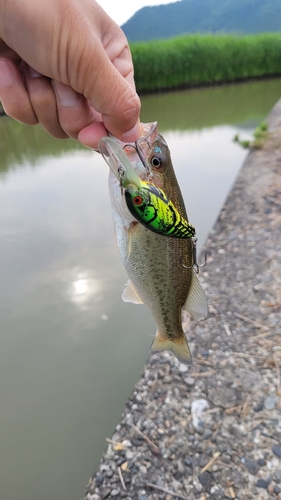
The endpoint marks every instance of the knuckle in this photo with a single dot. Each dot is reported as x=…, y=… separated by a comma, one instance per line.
x=43, y=102
x=131, y=108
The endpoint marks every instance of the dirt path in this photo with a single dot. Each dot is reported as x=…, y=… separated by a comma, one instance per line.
x=232, y=449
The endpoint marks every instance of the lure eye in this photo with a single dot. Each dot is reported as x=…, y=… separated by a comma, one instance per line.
x=137, y=200
x=156, y=162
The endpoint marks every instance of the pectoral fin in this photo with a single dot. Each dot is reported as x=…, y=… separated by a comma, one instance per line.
x=196, y=302
x=179, y=348
x=130, y=236
x=130, y=294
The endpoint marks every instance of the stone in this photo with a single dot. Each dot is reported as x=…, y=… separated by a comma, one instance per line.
x=207, y=434
x=183, y=368
x=98, y=480
x=120, y=461
x=206, y=480
x=259, y=407
x=270, y=402
x=276, y=448
x=261, y=462
x=105, y=492
x=252, y=466
x=114, y=493
x=137, y=442
x=90, y=497
x=190, y=381
x=262, y=483
x=277, y=476
x=205, y=353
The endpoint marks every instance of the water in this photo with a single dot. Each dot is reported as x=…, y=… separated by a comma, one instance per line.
x=70, y=349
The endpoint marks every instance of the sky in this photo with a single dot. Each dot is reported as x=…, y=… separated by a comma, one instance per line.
x=122, y=10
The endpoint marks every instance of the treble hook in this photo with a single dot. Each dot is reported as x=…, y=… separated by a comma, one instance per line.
x=140, y=154
x=195, y=266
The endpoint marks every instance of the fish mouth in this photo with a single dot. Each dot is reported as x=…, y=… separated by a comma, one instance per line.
x=128, y=160
x=118, y=162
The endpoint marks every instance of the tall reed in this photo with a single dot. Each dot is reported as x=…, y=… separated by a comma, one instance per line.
x=202, y=59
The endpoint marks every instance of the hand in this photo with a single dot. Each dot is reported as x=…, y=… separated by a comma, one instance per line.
x=67, y=65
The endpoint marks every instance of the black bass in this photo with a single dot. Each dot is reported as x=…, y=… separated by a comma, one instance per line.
x=161, y=269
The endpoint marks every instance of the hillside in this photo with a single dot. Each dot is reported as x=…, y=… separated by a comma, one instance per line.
x=204, y=16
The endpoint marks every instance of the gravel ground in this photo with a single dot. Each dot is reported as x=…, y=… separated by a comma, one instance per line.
x=214, y=431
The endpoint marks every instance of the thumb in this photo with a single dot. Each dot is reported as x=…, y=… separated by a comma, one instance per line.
x=108, y=83
x=112, y=95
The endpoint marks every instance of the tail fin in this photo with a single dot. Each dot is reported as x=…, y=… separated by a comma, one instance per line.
x=179, y=348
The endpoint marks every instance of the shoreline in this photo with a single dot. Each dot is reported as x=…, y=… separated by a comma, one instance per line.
x=203, y=85
x=232, y=449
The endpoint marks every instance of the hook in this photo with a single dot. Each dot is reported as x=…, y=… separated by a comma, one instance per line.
x=195, y=266
x=140, y=154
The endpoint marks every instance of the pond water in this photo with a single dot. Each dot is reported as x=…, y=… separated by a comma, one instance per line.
x=70, y=349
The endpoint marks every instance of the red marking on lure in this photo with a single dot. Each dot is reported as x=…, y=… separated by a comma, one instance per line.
x=137, y=200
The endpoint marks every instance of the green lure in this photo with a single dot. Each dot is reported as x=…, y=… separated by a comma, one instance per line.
x=151, y=207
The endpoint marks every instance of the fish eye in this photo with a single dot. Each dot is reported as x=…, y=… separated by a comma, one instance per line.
x=156, y=162
x=137, y=200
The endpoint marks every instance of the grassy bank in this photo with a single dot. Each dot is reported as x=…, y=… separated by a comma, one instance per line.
x=204, y=59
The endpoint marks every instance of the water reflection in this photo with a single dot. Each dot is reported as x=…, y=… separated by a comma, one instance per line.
x=70, y=349
x=240, y=104
x=85, y=291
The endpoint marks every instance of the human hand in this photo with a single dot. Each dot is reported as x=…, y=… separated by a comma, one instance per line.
x=67, y=65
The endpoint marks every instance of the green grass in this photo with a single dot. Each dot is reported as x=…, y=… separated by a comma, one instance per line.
x=204, y=59
x=260, y=136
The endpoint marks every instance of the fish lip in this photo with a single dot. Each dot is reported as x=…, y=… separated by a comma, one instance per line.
x=152, y=128
x=132, y=166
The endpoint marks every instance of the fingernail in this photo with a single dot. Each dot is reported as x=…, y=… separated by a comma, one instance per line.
x=33, y=73
x=67, y=96
x=132, y=135
x=7, y=76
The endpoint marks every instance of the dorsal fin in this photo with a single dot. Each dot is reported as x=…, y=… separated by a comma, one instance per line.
x=196, y=302
x=130, y=294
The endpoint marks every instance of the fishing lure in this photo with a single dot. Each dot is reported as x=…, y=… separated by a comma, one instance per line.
x=152, y=208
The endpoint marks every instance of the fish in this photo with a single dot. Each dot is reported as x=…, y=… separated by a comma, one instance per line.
x=161, y=269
